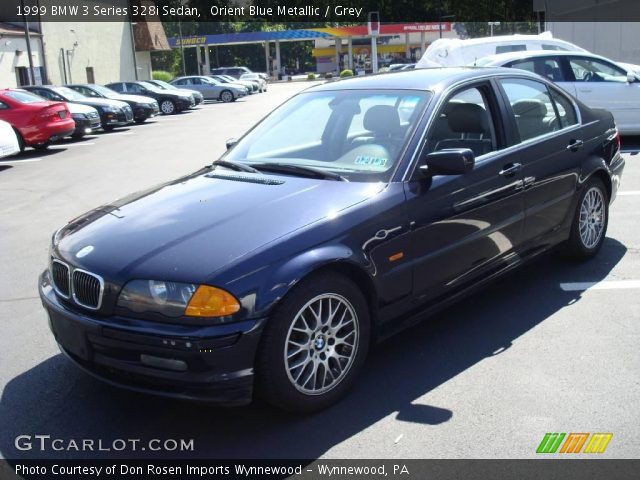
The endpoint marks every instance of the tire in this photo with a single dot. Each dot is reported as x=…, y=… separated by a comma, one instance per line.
x=42, y=146
x=77, y=136
x=167, y=107
x=226, y=96
x=21, y=144
x=140, y=121
x=299, y=388
x=108, y=128
x=590, y=221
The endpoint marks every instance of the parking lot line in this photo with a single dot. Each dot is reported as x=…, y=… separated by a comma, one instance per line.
x=629, y=193
x=65, y=145
x=605, y=285
x=17, y=162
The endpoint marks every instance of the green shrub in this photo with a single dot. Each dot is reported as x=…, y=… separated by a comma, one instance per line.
x=161, y=75
x=311, y=76
x=346, y=73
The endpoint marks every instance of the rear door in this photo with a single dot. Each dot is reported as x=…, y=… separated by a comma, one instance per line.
x=602, y=84
x=545, y=133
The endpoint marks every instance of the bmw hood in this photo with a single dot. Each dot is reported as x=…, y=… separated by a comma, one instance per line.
x=188, y=229
x=103, y=102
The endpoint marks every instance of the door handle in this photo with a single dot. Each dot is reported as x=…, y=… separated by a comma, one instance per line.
x=575, y=145
x=511, y=169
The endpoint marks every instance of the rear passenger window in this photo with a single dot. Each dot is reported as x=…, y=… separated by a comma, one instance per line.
x=464, y=122
x=565, y=108
x=532, y=107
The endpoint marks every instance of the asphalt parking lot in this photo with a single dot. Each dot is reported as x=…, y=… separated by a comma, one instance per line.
x=534, y=353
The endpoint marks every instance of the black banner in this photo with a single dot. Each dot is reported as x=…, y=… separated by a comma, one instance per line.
x=536, y=469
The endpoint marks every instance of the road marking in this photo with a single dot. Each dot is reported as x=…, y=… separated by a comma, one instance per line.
x=112, y=134
x=629, y=193
x=604, y=285
x=26, y=160
x=65, y=145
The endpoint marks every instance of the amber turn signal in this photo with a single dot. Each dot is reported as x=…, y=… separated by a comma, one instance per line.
x=211, y=302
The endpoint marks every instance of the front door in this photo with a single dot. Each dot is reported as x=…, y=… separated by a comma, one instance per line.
x=464, y=226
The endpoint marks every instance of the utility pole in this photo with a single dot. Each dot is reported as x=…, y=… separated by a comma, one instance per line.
x=32, y=73
x=184, y=69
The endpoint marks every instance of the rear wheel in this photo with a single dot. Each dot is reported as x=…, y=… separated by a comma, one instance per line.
x=167, y=107
x=314, y=344
x=590, y=221
x=226, y=96
x=42, y=146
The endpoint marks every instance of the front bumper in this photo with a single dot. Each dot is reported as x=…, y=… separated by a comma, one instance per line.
x=86, y=125
x=116, y=119
x=203, y=363
x=143, y=112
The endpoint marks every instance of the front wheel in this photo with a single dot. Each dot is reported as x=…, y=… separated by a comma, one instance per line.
x=226, y=96
x=167, y=107
x=314, y=344
x=42, y=146
x=590, y=221
x=140, y=121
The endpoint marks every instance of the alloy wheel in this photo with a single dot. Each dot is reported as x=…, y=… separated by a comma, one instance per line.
x=321, y=344
x=227, y=96
x=592, y=217
x=167, y=107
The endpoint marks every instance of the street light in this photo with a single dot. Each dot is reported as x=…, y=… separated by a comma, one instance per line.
x=493, y=24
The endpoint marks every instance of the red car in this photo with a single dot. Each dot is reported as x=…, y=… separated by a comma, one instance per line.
x=37, y=121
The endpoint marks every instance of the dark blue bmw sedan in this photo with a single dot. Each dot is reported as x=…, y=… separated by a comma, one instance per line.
x=351, y=211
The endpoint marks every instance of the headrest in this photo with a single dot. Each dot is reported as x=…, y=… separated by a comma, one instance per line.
x=382, y=119
x=530, y=108
x=468, y=118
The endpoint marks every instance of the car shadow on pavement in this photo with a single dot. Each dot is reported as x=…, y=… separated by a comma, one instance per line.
x=55, y=398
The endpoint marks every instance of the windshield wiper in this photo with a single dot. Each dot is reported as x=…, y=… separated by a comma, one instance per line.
x=237, y=166
x=299, y=170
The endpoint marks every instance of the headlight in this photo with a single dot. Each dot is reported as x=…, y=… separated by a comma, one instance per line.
x=174, y=299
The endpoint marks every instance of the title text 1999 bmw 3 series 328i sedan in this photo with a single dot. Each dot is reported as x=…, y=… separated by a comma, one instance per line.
x=349, y=212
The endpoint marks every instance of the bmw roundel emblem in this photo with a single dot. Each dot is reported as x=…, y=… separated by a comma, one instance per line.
x=83, y=252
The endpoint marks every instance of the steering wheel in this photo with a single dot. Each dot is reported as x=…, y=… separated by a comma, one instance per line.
x=588, y=77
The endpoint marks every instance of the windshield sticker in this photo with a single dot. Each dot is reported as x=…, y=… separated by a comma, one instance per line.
x=367, y=160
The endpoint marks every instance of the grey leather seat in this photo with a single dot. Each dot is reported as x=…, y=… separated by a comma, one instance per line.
x=468, y=120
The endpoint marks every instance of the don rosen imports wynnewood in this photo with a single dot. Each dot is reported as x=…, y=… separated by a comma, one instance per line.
x=349, y=212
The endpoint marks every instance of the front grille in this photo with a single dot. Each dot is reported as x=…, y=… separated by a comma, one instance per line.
x=128, y=113
x=93, y=115
x=87, y=289
x=60, y=278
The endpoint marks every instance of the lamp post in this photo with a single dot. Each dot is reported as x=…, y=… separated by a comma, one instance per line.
x=32, y=73
x=493, y=24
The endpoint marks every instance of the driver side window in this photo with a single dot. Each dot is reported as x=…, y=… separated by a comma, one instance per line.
x=593, y=70
x=464, y=122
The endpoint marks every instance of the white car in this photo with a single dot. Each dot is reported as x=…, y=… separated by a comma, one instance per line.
x=454, y=52
x=255, y=77
x=8, y=140
x=594, y=80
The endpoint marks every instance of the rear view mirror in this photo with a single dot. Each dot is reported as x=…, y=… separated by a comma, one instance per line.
x=631, y=77
x=231, y=142
x=450, y=161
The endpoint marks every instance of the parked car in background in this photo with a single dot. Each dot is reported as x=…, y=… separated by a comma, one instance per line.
x=170, y=102
x=594, y=80
x=113, y=113
x=236, y=72
x=8, y=140
x=395, y=195
x=262, y=83
x=251, y=87
x=210, y=88
x=143, y=107
x=87, y=119
x=197, y=96
x=454, y=52
x=37, y=121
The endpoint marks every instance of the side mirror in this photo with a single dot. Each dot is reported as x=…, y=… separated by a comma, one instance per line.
x=631, y=77
x=450, y=161
x=231, y=143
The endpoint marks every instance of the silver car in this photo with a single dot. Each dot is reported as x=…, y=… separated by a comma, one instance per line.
x=210, y=89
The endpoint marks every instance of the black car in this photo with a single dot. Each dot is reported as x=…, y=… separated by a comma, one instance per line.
x=169, y=101
x=143, y=107
x=348, y=213
x=113, y=113
x=161, y=84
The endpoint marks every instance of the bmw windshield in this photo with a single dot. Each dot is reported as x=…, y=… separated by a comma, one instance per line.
x=358, y=134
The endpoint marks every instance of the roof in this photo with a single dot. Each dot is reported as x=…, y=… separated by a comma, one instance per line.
x=418, y=79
